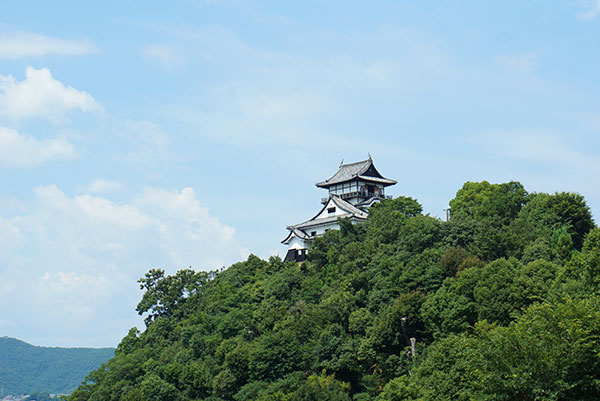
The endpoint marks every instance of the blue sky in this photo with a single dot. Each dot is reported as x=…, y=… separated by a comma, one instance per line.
x=136, y=135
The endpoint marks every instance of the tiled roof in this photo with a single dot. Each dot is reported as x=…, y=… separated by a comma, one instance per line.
x=377, y=179
x=347, y=172
x=314, y=223
x=342, y=204
x=297, y=232
x=351, y=212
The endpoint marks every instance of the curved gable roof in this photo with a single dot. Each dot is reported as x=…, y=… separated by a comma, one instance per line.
x=364, y=169
x=350, y=210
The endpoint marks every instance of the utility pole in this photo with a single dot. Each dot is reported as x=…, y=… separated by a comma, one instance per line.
x=447, y=210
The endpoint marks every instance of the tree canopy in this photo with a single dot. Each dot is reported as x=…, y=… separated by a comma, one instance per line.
x=499, y=303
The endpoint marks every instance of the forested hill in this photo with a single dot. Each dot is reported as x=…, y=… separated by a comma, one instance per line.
x=25, y=369
x=502, y=303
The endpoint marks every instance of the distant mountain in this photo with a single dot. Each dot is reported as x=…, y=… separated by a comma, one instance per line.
x=25, y=368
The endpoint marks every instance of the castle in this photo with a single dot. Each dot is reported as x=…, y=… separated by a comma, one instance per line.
x=352, y=190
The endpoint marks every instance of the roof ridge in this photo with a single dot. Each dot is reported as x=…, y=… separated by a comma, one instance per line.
x=349, y=206
x=359, y=162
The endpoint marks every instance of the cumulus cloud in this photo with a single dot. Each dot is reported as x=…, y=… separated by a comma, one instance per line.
x=102, y=186
x=182, y=213
x=164, y=55
x=41, y=95
x=89, y=252
x=19, y=150
x=14, y=45
x=592, y=9
x=79, y=290
x=98, y=209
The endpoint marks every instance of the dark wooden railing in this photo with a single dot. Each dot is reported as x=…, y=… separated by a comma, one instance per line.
x=358, y=194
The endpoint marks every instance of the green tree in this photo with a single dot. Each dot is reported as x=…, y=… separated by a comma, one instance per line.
x=387, y=217
x=322, y=388
x=452, y=259
x=592, y=241
x=494, y=298
x=551, y=352
x=275, y=354
x=482, y=200
x=156, y=389
x=546, y=213
x=224, y=384
x=496, y=292
x=166, y=295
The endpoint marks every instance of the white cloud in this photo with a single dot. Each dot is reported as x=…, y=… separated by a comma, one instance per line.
x=18, y=150
x=40, y=95
x=166, y=56
x=66, y=283
x=102, y=186
x=184, y=206
x=185, y=225
x=521, y=62
x=78, y=290
x=592, y=9
x=99, y=209
x=89, y=252
x=15, y=45
x=94, y=209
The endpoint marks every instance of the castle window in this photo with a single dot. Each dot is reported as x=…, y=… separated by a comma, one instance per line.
x=331, y=210
x=314, y=233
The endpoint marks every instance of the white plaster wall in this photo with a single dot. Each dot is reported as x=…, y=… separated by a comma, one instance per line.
x=324, y=213
x=321, y=229
x=297, y=243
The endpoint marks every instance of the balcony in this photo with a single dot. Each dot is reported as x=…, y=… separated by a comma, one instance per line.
x=358, y=194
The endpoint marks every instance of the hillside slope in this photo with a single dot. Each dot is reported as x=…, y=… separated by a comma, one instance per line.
x=25, y=368
x=499, y=303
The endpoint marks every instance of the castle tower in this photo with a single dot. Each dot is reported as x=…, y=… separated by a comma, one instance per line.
x=352, y=190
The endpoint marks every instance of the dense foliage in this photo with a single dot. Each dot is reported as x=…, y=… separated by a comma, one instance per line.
x=27, y=369
x=499, y=303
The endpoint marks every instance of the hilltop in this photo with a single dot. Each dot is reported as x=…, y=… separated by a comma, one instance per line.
x=500, y=302
x=25, y=369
